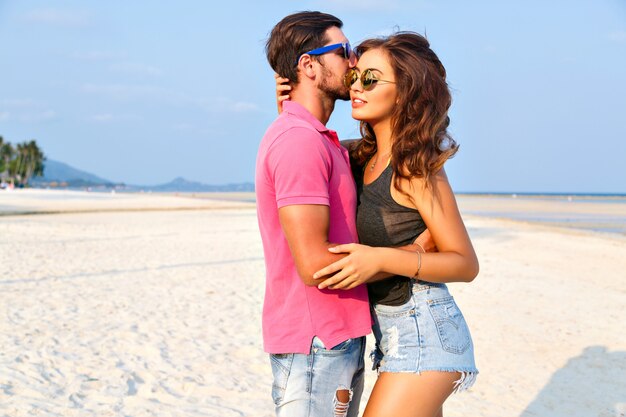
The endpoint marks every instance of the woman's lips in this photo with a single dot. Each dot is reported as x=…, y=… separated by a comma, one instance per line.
x=357, y=102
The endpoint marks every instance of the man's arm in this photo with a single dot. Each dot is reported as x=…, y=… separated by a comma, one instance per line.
x=306, y=229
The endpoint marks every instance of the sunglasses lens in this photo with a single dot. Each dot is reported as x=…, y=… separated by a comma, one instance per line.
x=350, y=78
x=347, y=51
x=368, y=79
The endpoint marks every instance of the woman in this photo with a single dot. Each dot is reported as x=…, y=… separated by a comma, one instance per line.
x=423, y=348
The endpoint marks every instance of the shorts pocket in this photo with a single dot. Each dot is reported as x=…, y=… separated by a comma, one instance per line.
x=451, y=326
x=403, y=310
x=281, y=368
x=319, y=349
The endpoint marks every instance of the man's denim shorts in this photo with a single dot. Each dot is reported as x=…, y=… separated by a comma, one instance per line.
x=307, y=385
x=427, y=333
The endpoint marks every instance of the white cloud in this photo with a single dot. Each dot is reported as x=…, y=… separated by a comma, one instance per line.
x=224, y=104
x=360, y=5
x=183, y=126
x=132, y=92
x=243, y=106
x=392, y=30
x=99, y=55
x=25, y=110
x=43, y=116
x=376, y=6
x=37, y=117
x=102, y=117
x=57, y=17
x=112, y=118
x=618, y=36
x=48, y=115
x=385, y=32
x=136, y=69
x=19, y=103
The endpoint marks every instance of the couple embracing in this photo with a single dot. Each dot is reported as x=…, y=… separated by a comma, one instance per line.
x=360, y=236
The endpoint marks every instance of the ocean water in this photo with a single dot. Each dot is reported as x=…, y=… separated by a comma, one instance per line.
x=601, y=213
x=604, y=213
x=606, y=224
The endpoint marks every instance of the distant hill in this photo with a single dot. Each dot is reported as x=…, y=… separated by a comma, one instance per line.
x=59, y=174
x=183, y=185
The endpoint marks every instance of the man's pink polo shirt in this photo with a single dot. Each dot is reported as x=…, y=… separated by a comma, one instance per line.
x=300, y=161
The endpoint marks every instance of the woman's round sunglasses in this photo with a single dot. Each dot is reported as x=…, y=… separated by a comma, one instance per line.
x=367, y=77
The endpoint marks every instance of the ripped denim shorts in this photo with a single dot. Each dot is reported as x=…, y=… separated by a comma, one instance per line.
x=427, y=333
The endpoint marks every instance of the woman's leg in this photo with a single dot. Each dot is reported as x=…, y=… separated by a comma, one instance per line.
x=410, y=395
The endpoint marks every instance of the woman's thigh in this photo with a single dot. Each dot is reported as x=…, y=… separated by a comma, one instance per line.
x=409, y=394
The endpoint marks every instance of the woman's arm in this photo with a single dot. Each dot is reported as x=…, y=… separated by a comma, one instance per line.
x=282, y=91
x=455, y=261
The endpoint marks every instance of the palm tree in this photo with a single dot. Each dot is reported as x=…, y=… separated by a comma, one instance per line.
x=35, y=159
x=16, y=164
x=2, y=145
x=6, y=155
x=29, y=162
x=19, y=164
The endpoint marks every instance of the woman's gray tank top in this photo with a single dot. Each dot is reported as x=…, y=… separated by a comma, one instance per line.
x=381, y=221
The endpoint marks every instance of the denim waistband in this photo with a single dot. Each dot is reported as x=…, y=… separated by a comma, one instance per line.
x=419, y=285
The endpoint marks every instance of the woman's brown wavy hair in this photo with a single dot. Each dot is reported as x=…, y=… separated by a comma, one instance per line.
x=420, y=141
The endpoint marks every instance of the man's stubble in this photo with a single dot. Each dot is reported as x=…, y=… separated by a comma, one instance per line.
x=333, y=86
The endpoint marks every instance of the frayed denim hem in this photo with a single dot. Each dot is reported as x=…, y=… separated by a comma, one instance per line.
x=464, y=383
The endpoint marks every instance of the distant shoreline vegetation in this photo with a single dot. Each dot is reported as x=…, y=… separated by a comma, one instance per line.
x=19, y=163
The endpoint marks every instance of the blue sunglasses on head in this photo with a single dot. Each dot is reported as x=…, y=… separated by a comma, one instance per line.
x=347, y=50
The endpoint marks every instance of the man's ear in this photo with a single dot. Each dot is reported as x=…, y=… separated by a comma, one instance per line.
x=306, y=67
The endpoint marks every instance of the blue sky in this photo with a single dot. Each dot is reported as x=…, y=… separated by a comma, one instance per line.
x=144, y=91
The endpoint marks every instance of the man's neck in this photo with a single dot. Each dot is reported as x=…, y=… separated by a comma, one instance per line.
x=320, y=106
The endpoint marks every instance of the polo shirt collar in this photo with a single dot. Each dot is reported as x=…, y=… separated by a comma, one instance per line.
x=298, y=110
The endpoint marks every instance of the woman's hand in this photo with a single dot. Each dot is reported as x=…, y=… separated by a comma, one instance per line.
x=282, y=91
x=425, y=242
x=355, y=269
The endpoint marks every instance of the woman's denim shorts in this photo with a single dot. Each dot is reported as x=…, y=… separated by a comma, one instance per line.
x=427, y=333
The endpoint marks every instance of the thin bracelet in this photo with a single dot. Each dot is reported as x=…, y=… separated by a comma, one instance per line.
x=421, y=247
x=419, y=264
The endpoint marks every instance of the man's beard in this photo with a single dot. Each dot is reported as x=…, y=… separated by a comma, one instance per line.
x=331, y=89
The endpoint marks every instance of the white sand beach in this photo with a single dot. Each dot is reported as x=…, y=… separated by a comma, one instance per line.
x=143, y=305
x=37, y=201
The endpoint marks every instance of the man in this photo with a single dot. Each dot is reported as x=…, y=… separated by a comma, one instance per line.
x=306, y=199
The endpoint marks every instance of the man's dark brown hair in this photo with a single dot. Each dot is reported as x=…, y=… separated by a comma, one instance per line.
x=294, y=35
